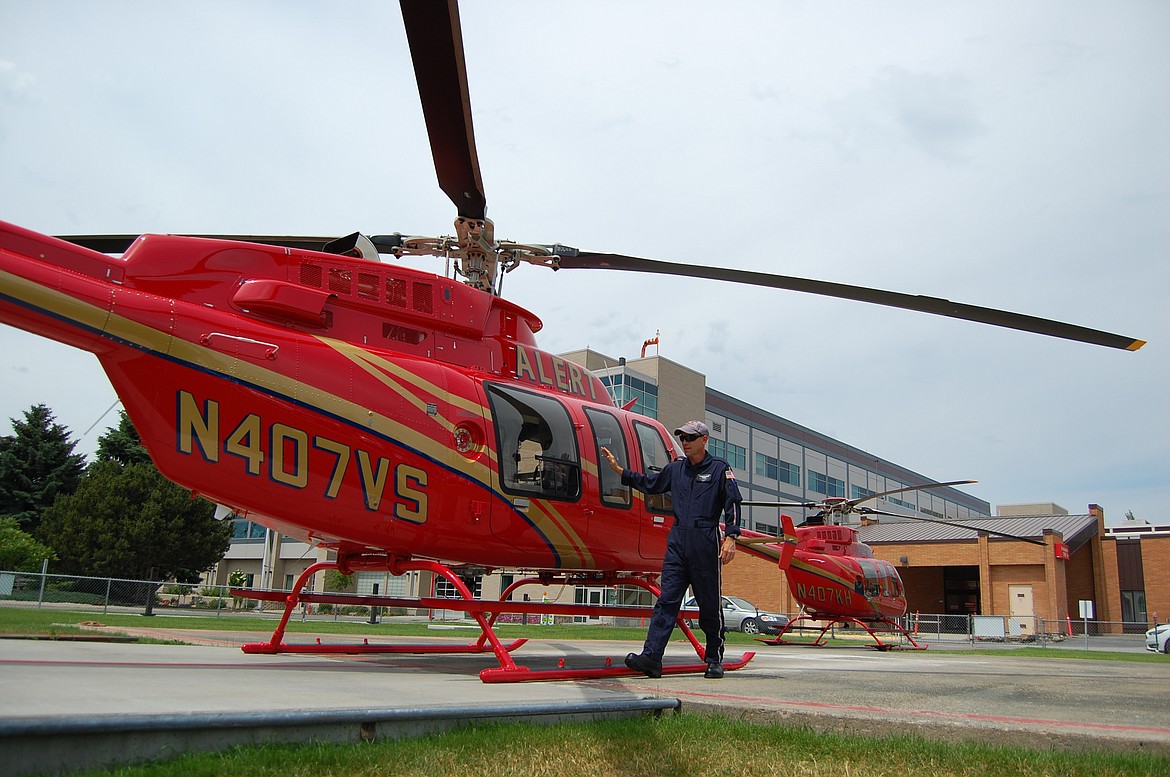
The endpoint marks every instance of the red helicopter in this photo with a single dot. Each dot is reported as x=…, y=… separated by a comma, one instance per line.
x=835, y=577
x=401, y=418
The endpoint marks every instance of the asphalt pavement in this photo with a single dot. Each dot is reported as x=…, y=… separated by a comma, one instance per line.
x=96, y=700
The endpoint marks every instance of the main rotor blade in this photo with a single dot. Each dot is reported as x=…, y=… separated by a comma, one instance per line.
x=870, y=511
x=976, y=529
x=119, y=244
x=436, y=47
x=808, y=505
x=574, y=259
x=853, y=502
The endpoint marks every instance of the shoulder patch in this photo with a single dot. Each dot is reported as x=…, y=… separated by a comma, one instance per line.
x=729, y=474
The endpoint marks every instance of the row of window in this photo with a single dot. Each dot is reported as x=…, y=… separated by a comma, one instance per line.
x=775, y=469
x=623, y=388
x=243, y=529
x=735, y=455
x=825, y=484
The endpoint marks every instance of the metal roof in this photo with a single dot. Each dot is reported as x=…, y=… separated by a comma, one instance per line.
x=1076, y=529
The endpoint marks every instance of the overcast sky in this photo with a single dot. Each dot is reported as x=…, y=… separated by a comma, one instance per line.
x=1006, y=154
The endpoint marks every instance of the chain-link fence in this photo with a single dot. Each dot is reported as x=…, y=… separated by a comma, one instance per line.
x=1001, y=629
x=105, y=594
x=110, y=594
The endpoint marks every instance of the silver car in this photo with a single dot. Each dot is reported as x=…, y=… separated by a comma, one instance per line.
x=1158, y=639
x=742, y=615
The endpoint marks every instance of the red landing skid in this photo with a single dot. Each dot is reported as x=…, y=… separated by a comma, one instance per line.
x=482, y=611
x=871, y=627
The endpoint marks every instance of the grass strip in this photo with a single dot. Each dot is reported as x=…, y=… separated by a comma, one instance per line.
x=680, y=744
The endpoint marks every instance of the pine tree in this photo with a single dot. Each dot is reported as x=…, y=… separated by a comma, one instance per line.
x=122, y=444
x=37, y=464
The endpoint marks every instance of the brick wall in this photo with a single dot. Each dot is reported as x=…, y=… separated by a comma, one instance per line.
x=759, y=581
x=997, y=601
x=1079, y=575
x=924, y=589
x=1156, y=566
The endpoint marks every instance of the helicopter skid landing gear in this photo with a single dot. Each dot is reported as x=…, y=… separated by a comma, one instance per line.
x=871, y=627
x=298, y=595
x=485, y=613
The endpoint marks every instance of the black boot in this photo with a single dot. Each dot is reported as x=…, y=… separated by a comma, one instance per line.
x=640, y=662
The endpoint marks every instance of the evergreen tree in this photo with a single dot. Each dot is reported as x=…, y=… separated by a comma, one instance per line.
x=37, y=463
x=126, y=520
x=122, y=444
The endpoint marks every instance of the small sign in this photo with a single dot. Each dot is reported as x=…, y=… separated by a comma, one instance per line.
x=1086, y=608
x=1061, y=550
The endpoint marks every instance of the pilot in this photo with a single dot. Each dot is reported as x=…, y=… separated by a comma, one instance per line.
x=702, y=488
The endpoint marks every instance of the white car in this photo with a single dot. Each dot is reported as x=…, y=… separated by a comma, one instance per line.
x=1158, y=639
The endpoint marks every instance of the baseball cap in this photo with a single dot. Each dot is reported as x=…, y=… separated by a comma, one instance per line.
x=693, y=427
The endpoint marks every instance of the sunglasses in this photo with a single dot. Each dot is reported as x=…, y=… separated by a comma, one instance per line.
x=689, y=437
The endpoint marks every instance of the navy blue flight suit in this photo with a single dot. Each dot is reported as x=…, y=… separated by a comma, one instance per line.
x=699, y=493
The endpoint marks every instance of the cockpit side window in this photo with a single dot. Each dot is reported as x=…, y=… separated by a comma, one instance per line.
x=607, y=433
x=873, y=577
x=655, y=457
x=537, y=444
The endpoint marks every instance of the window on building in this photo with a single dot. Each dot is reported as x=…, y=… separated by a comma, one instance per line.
x=735, y=455
x=767, y=466
x=632, y=596
x=788, y=473
x=245, y=530
x=623, y=388
x=1133, y=607
x=593, y=597
x=825, y=484
x=445, y=589
x=767, y=528
x=782, y=471
x=860, y=493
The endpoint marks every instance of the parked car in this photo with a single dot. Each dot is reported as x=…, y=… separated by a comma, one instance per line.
x=742, y=615
x=1158, y=639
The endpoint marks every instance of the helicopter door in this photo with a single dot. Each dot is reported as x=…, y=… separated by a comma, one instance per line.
x=538, y=460
x=657, y=521
x=607, y=433
x=607, y=507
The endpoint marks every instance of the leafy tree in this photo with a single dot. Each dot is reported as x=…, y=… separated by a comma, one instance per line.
x=132, y=522
x=126, y=520
x=37, y=463
x=20, y=551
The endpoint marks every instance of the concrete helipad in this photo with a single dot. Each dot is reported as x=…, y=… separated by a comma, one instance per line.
x=74, y=703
